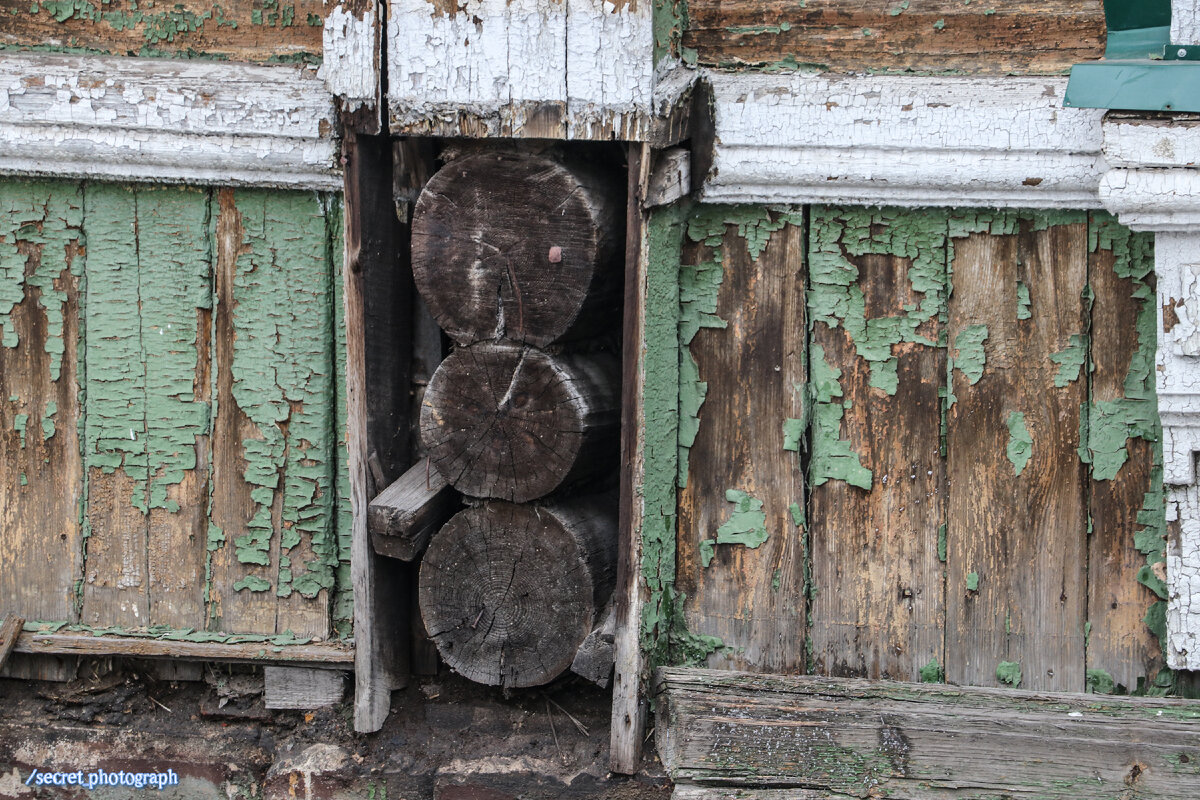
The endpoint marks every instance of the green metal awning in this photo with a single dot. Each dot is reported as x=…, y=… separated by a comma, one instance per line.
x=1142, y=70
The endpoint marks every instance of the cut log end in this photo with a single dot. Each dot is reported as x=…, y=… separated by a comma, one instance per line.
x=514, y=423
x=509, y=593
x=516, y=246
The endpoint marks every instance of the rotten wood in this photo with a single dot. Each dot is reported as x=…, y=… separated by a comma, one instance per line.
x=595, y=658
x=9, y=631
x=515, y=423
x=629, y=705
x=403, y=516
x=325, y=656
x=381, y=614
x=878, y=600
x=518, y=246
x=856, y=738
x=1016, y=573
x=241, y=30
x=942, y=36
x=750, y=595
x=509, y=592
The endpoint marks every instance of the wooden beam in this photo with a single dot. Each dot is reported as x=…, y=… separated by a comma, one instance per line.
x=8, y=636
x=302, y=687
x=316, y=655
x=405, y=515
x=858, y=738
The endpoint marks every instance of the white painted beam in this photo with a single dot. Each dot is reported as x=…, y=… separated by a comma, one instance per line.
x=166, y=121
x=1185, y=22
x=350, y=57
x=898, y=140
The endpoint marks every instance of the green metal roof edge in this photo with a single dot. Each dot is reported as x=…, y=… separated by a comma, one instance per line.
x=1135, y=85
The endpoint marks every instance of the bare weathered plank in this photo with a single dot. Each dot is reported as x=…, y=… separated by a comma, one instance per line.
x=877, y=298
x=403, y=516
x=326, y=656
x=241, y=30
x=41, y=473
x=1015, y=37
x=741, y=544
x=302, y=687
x=9, y=632
x=857, y=738
x=1016, y=586
x=1122, y=651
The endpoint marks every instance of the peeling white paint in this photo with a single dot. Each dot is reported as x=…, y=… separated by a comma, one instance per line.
x=1183, y=578
x=1185, y=22
x=580, y=69
x=160, y=120
x=350, y=58
x=897, y=140
x=1153, y=199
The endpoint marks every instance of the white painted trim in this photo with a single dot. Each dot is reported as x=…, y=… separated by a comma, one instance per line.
x=1185, y=22
x=350, y=58
x=166, y=121
x=898, y=140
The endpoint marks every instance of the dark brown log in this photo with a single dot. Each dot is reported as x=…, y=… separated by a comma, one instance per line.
x=405, y=515
x=515, y=423
x=510, y=592
x=518, y=246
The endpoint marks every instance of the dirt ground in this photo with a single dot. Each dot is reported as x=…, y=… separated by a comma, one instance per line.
x=446, y=739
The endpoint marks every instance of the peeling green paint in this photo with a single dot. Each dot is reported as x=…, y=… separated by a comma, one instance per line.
x=746, y=524
x=896, y=11
x=973, y=582
x=932, y=672
x=1020, y=443
x=941, y=543
x=343, y=598
x=1070, y=360
x=970, y=356
x=167, y=634
x=1023, y=311
x=20, y=423
x=253, y=583
x=797, y=513
x=48, y=427
x=793, y=434
x=1009, y=672
x=832, y=456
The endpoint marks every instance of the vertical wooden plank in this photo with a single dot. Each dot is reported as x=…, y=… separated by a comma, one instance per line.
x=1122, y=651
x=741, y=547
x=275, y=568
x=115, y=589
x=380, y=614
x=175, y=265
x=1017, y=557
x=877, y=301
x=41, y=472
x=629, y=670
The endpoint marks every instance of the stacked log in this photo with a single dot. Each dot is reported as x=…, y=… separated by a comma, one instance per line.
x=517, y=257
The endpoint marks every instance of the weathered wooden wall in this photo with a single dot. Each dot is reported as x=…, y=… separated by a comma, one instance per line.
x=241, y=30
x=171, y=454
x=926, y=36
x=984, y=480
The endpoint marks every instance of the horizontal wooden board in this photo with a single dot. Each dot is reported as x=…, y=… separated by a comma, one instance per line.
x=937, y=36
x=238, y=30
x=325, y=656
x=856, y=738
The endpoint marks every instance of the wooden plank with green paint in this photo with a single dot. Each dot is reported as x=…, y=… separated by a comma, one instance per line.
x=877, y=300
x=1017, y=525
x=276, y=549
x=41, y=472
x=147, y=421
x=741, y=542
x=1125, y=458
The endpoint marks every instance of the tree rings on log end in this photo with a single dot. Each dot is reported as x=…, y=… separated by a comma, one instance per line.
x=512, y=422
x=519, y=247
x=509, y=592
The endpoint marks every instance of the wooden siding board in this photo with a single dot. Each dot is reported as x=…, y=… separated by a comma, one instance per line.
x=1120, y=644
x=938, y=36
x=241, y=30
x=752, y=598
x=41, y=471
x=878, y=606
x=1016, y=536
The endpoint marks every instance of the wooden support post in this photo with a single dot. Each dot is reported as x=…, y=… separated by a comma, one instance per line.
x=380, y=606
x=629, y=673
x=9, y=631
x=300, y=688
x=403, y=516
